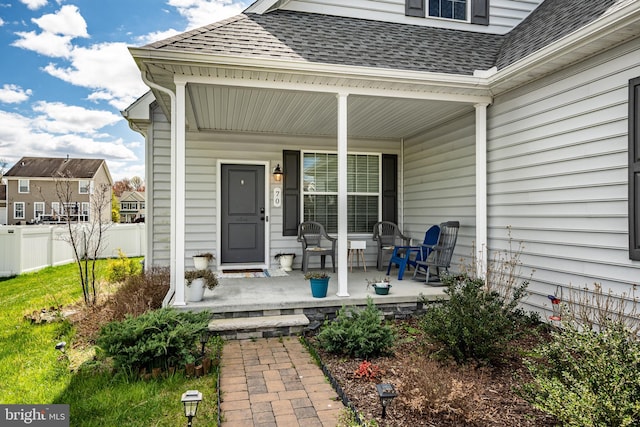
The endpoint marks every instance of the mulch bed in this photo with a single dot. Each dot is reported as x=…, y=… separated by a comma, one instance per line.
x=437, y=393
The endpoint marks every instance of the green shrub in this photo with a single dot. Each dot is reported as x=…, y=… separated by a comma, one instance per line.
x=473, y=323
x=586, y=377
x=159, y=338
x=357, y=333
x=118, y=270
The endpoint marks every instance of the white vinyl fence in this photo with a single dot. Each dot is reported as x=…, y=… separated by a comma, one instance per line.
x=25, y=248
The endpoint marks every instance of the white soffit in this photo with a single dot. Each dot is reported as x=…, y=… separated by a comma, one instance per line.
x=251, y=110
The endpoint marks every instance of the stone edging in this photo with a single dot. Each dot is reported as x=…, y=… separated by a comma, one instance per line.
x=217, y=371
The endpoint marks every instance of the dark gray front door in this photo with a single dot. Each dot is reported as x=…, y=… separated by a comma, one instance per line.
x=243, y=214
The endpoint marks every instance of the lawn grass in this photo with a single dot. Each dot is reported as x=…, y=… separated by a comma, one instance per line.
x=32, y=371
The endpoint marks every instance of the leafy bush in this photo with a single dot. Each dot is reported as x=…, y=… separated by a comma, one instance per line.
x=118, y=270
x=587, y=377
x=357, y=333
x=159, y=338
x=473, y=323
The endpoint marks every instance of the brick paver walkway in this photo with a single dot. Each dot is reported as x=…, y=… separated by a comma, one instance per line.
x=274, y=382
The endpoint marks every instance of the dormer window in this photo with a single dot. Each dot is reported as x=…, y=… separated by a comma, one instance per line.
x=451, y=9
x=473, y=11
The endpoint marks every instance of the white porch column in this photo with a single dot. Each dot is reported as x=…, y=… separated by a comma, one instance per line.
x=343, y=288
x=178, y=219
x=481, y=189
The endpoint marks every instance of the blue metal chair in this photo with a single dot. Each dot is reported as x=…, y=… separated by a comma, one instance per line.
x=403, y=256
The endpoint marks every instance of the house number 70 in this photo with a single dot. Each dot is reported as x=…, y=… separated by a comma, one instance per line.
x=277, y=197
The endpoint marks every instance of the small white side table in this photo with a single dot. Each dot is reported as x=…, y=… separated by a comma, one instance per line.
x=357, y=247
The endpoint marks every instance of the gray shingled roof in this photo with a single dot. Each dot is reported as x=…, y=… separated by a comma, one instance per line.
x=347, y=41
x=550, y=21
x=47, y=167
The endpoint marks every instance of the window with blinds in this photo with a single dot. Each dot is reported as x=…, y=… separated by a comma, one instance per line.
x=320, y=190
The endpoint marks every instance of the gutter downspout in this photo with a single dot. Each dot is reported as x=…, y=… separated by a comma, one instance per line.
x=172, y=256
x=481, y=190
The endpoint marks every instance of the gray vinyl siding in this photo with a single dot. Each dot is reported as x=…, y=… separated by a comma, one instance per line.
x=439, y=182
x=204, y=150
x=504, y=14
x=557, y=176
x=161, y=190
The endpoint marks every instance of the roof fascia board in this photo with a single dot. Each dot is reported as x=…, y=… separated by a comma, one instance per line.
x=264, y=6
x=586, y=35
x=318, y=69
x=106, y=170
x=46, y=178
x=284, y=66
x=305, y=87
x=139, y=109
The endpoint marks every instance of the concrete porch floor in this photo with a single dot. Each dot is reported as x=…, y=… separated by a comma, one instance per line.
x=293, y=292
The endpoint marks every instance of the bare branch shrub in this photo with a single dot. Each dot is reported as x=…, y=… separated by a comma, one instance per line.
x=592, y=309
x=503, y=269
x=85, y=237
x=140, y=293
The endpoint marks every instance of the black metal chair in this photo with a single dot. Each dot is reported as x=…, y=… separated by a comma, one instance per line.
x=387, y=235
x=311, y=235
x=441, y=253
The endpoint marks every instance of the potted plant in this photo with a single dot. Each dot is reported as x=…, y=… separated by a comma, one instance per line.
x=197, y=280
x=286, y=260
x=380, y=285
x=319, y=283
x=201, y=260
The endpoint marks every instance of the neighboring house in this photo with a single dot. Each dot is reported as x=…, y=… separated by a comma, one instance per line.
x=520, y=119
x=131, y=206
x=34, y=186
x=3, y=204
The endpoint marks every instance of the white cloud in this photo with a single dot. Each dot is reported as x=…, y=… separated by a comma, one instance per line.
x=158, y=35
x=34, y=4
x=13, y=94
x=23, y=136
x=66, y=22
x=121, y=170
x=108, y=68
x=57, y=117
x=58, y=29
x=205, y=12
x=47, y=44
x=198, y=13
x=1, y=22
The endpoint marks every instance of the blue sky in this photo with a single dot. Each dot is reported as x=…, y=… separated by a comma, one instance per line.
x=66, y=73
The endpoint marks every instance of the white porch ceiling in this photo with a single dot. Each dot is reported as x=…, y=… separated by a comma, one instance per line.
x=238, y=109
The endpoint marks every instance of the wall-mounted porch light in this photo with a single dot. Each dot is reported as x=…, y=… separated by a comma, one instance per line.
x=277, y=173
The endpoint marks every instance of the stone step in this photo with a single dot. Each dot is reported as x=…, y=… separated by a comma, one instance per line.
x=259, y=327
